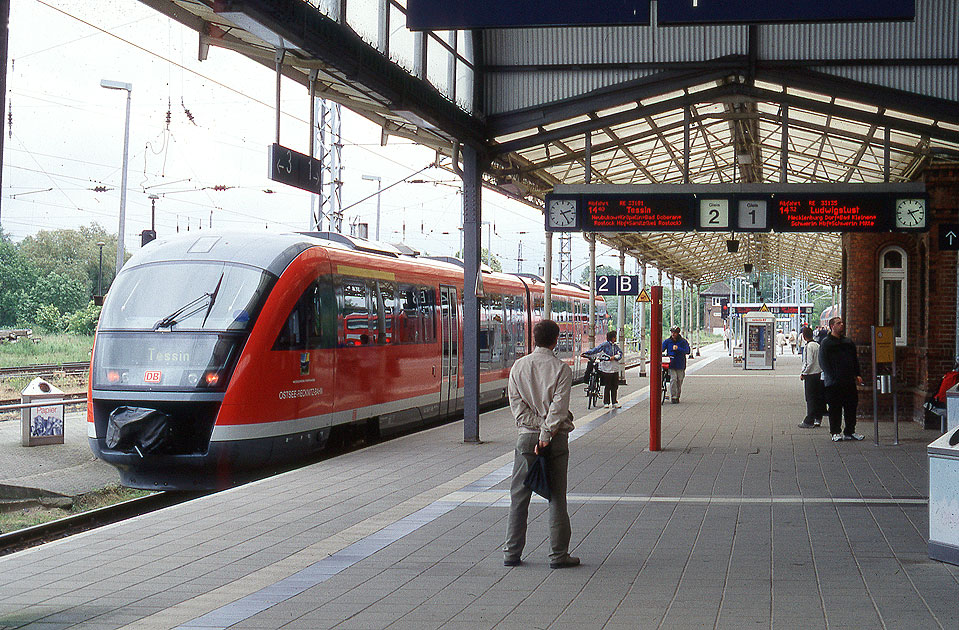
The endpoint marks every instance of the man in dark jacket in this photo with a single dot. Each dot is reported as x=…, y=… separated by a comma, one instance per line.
x=840, y=370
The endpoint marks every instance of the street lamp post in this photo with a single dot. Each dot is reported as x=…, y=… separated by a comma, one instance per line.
x=117, y=85
x=379, y=184
x=98, y=298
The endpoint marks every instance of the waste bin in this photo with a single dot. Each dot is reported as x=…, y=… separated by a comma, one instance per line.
x=944, y=497
x=41, y=425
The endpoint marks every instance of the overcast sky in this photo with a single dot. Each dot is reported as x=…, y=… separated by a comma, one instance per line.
x=66, y=139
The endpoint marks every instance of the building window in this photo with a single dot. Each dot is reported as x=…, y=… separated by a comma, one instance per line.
x=717, y=301
x=893, y=267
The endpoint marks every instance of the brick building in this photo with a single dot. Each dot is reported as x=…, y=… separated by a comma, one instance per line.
x=710, y=304
x=905, y=281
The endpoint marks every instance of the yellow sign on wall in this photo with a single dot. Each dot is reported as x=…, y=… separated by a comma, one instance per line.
x=885, y=344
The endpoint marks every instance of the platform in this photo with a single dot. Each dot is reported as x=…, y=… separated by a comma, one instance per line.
x=53, y=470
x=744, y=520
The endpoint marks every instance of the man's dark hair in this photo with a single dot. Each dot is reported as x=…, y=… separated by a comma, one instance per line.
x=833, y=320
x=545, y=333
x=806, y=332
x=610, y=335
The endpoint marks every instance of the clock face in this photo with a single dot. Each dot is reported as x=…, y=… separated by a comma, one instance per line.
x=561, y=214
x=910, y=213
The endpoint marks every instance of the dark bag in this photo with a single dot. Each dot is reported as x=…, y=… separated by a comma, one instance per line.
x=537, y=479
x=137, y=428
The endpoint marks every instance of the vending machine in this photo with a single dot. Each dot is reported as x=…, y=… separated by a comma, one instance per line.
x=760, y=337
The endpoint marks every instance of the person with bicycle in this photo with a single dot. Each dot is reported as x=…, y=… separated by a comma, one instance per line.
x=676, y=348
x=609, y=355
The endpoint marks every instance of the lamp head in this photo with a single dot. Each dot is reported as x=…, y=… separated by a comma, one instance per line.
x=748, y=267
x=116, y=85
x=732, y=246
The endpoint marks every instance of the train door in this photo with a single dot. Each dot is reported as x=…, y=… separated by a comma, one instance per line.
x=450, y=348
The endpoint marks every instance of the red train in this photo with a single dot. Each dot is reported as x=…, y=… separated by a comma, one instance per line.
x=217, y=355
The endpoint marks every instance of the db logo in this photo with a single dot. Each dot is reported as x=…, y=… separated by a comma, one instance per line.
x=151, y=376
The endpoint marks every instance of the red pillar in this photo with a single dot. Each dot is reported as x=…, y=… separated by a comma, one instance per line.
x=655, y=367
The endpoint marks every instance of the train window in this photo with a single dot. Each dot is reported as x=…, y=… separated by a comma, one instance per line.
x=303, y=329
x=354, y=313
x=385, y=310
x=427, y=306
x=409, y=326
x=147, y=294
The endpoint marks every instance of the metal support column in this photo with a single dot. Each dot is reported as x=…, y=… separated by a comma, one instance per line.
x=621, y=303
x=548, y=278
x=592, y=290
x=784, y=146
x=472, y=290
x=641, y=306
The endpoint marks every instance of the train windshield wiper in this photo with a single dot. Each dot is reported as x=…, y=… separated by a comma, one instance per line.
x=191, y=308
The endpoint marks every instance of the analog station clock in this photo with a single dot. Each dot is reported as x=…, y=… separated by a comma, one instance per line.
x=562, y=214
x=911, y=213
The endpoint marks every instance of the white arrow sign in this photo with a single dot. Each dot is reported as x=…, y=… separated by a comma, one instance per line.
x=950, y=235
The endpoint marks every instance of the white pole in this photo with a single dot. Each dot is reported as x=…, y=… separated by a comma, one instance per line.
x=121, y=250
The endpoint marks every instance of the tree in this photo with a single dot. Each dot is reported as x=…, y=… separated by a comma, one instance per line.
x=487, y=258
x=17, y=277
x=74, y=254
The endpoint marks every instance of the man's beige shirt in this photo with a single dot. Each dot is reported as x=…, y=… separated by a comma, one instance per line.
x=539, y=390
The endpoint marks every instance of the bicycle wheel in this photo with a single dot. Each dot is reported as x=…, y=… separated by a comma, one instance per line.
x=593, y=393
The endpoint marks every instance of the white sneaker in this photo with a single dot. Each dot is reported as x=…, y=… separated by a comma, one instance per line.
x=853, y=436
x=607, y=406
x=837, y=437
x=616, y=405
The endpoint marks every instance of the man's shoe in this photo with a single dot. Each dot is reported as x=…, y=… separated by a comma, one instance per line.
x=616, y=405
x=565, y=563
x=817, y=423
x=512, y=562
x=837, y=437
x=607, y=405
x=803, y=425
x=852, y=436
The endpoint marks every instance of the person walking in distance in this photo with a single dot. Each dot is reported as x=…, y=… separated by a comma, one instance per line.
x=610, y=357
x=676, y=348
x=539, y=390
x=811, y=376
x=841, y=375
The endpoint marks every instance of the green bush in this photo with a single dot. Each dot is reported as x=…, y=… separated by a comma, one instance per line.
x=83, y=321
x=49, y=319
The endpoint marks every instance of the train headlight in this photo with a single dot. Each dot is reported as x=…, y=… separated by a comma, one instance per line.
x=211, y=379
x=113, y=376
x=193, y=378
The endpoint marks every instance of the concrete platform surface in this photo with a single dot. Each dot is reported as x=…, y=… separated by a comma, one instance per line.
x=67, y=469
x=744, y=520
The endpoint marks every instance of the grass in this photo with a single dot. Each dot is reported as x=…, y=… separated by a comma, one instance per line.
x=52, y=349
x=58, y=348
x=35, y=515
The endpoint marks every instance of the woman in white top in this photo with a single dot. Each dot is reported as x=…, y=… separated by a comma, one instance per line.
x=813, y=386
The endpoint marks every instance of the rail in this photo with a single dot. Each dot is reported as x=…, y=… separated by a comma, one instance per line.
x=67, y=399
x=41, y=369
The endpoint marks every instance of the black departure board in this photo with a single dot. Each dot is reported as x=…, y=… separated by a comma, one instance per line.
x=832, y=213
x=726, y=210
x=637, y=213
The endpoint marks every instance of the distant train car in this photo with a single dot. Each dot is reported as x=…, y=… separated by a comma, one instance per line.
x=217, y=355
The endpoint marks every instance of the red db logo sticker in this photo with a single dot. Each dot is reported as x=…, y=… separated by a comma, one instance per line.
x=152, y=376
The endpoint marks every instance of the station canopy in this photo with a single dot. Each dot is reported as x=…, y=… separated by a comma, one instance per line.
x=862, y=102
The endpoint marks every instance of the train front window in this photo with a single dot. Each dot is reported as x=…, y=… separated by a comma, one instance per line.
x=181, y=296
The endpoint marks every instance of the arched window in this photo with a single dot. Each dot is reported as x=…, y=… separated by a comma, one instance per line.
x=893, y=267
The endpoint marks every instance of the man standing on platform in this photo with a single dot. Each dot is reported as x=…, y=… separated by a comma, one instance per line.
x=677, y=348
x=811, y=376
x=539, y=389
x=841, y=374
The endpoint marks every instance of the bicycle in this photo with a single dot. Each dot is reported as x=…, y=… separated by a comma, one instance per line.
x=592, y=383
x=665, y=379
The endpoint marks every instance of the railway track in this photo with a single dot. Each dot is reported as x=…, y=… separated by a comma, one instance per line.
x=76, y=367
x=46, y=532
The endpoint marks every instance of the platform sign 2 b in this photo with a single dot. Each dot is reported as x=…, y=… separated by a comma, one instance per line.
x=617, y=285
x=294, y=169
